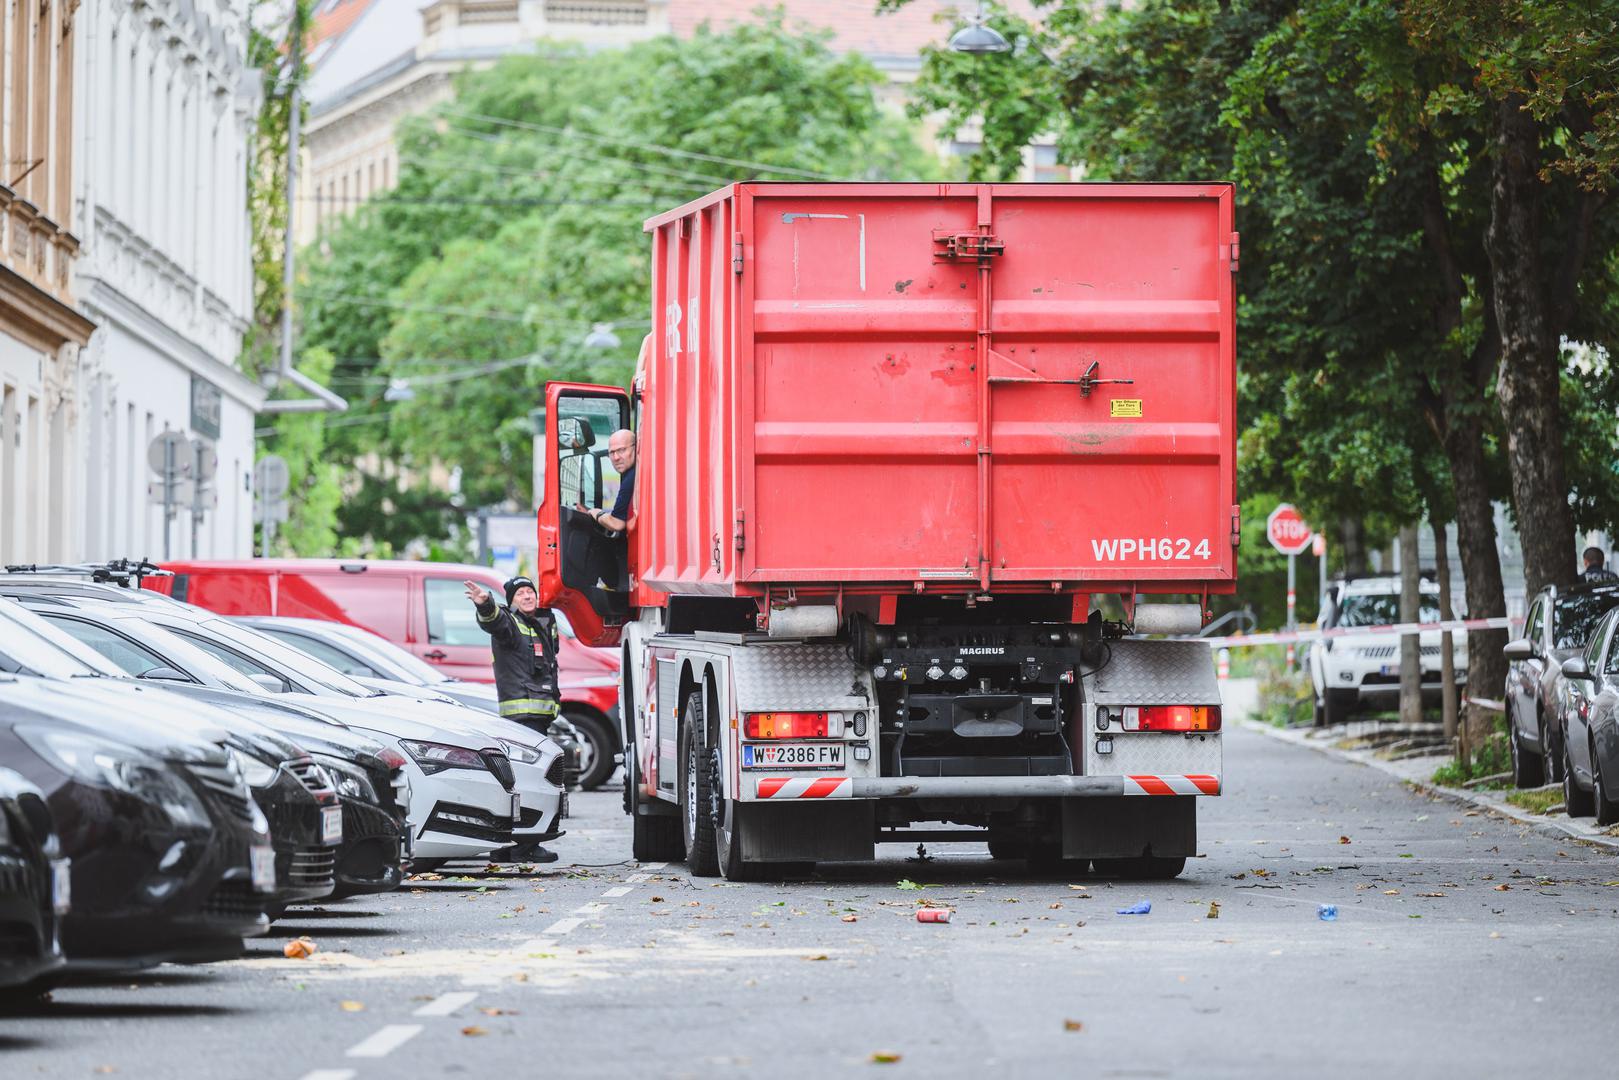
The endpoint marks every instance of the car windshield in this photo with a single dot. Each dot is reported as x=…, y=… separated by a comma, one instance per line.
x=189, y=659
x=1576, y=615
x=300, y=665
x=1381, y=609
x=30, y=646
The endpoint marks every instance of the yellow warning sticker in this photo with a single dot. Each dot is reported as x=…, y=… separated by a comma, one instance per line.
x=1124, y=407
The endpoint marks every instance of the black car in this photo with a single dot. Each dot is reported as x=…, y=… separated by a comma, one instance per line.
x=34, y=888
x=171, y=858
x=1558, y=625
x=367, y=776
x=296, y=795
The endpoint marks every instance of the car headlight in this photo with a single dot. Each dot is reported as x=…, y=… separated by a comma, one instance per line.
x=526, y=754
x=104, y=763
x=436, y=757
x=349, y=779
x=255, y=772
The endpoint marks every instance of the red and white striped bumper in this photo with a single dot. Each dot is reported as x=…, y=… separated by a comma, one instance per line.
x=1197, y=784
x=805, y=787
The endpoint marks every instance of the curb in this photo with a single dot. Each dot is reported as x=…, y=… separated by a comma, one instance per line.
x=1487, y=801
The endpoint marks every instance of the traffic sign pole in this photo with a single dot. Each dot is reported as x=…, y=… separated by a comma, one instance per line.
x=1289, y=534
x=1292, y=605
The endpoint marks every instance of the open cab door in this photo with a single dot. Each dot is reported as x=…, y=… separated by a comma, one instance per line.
x=583, y=568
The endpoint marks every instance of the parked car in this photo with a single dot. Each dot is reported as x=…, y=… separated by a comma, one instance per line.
x=361, y=654
x=1557, y=625
x=1359, y=672
x=35, y=888
x=420, y=606
x=461, y=779
x=1591, y=743
x=170, y=857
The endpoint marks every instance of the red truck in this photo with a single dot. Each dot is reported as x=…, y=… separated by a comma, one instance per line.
x=419, y=606
x=911, y=459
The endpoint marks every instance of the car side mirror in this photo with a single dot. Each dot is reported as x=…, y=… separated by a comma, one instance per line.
x=163, y=674
x=270, y=683
x=1518, y=650
x=1574, y=668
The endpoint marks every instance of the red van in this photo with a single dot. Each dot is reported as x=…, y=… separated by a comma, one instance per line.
x=420, y=606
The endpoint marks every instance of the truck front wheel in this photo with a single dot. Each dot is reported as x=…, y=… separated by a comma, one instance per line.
x=653, y=837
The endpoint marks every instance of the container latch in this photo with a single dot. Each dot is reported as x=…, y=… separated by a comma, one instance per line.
x=967, y=245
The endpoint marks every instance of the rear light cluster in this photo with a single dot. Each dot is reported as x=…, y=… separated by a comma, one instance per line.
x=1172, y=718
x=792, y=725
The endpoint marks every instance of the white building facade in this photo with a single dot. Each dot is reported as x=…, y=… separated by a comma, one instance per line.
x=167, y=112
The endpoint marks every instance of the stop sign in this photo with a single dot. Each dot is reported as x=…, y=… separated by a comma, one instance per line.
x=1287, y=531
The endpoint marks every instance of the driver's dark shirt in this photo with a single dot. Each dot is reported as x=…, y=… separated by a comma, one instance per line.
x=626, y=492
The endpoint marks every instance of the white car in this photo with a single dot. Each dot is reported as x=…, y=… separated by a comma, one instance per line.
x=1361, y=672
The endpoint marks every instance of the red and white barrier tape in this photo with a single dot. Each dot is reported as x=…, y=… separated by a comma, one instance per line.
x=1278, y=636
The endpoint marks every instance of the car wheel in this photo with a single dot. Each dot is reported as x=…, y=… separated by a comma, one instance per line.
x=1606, y=810
x=596, y=749
x=697, y=791
x=1338, y=707
x=1576, y=800
x=1528, y=770
x=1551, y=756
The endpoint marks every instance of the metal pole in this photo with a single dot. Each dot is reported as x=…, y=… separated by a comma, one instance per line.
x=168, y=493
x=294, y=100
x=1292, y=604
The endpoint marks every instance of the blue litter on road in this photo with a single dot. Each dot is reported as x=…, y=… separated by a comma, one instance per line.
x=1136, y=909
x=1327, y=912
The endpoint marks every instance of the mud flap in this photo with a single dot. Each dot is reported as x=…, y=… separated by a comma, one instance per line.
x=823, y=831
x=1123, y=827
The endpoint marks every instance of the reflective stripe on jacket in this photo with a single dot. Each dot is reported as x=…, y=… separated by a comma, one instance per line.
x=525, y=659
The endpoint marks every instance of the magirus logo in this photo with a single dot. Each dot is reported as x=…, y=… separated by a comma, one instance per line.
x=987, y=650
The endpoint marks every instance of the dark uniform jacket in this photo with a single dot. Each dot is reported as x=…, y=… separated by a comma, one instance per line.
x=525, y=661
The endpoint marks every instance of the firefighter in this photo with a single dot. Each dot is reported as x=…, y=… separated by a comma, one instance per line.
x=525, y=643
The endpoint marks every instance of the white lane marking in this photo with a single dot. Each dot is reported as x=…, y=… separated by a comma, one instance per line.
x=636, y=879
x=595, y=907
x=534, y=945
x=562, y=926
x=445, y=1004
x=618, y=890
x=653, y=865
x=330, y=1074
x=386, y=1041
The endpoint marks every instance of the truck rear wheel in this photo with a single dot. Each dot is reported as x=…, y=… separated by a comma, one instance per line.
x=697, y=791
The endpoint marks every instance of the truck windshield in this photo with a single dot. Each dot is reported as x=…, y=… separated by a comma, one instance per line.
x=1576, y=616
x=1381, y=610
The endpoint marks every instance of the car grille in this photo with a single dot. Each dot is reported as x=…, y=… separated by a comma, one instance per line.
x=470, y=821
x=1384, y=652
x=556, y=772
x=309, y=775
x=233, y=900
x=224, y=789
x=501, y=766
x=312, y=865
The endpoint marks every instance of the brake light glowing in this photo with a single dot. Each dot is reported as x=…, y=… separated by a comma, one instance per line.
x=792, y=725
x=1174, y=718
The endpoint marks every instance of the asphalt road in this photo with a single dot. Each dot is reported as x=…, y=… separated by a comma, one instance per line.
x=1464, y=946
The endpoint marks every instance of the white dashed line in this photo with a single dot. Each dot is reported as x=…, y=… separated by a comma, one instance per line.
x=618, y=890
x=445, y=1004
x=386, y=1041
x=595, y=907
x=636, y=879
x=562, y=926
x=330, y=1074
x=535, y=945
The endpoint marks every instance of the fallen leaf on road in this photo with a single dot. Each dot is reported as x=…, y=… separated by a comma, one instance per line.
x=1564, y=854
x=657, y=899
x=474, y=1029
x=1503, y=887
x=299, y=949
x=851, y=918
x=909, y=886
x=494, y=1010
x=1054, y=907
x=1431, y=894
x=1260, y=873
x=1495, y=933
x=1407, y=855
x=1233, y=877
x=823, y=956
x=106, y=1069
x=1343, y=839
x=1073, y=1025
x=1214, y=909
x=352, y=1006
x=885, y=1057
x=1391, y=892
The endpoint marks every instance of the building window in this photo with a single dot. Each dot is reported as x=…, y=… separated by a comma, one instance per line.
x=598, y=13
x=488, y=11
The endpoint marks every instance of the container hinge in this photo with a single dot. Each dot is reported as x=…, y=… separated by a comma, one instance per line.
x=1236, y=247
x=1236, y=526
x=969, y=245
x=736, y=254
x=741, y=533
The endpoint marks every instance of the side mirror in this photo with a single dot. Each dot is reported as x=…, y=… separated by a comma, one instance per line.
x=1574, y=668
x=1518, y=650
x=163, y=674
x=270, y=683
x=571, y=440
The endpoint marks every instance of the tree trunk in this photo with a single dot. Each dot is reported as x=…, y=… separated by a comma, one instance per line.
x=1354, y=547
x=1481, y=566
x=1447, y=645
x=1527, y=382
x=1410, y=644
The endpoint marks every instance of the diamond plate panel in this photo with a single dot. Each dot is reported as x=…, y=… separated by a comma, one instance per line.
x=1155, y=753
x=793, y=675
x=1156, y=673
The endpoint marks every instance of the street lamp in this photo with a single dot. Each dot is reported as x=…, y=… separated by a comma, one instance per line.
x=601, y=336
x=399, y=390
x=977, y=37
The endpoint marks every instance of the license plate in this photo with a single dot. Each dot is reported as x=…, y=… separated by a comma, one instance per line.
x=517, y=807
x=331, y=824
x=1389, y=669
x=61, y=885
x=793, y=756
x=261, y=859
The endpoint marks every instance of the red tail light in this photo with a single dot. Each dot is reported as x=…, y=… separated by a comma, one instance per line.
x=792, y=725
x=1176, y=718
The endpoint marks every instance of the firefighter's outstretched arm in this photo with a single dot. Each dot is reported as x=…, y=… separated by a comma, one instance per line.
x=489, y=614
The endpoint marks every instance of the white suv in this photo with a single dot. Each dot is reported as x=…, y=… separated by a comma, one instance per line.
x=1363, y=671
